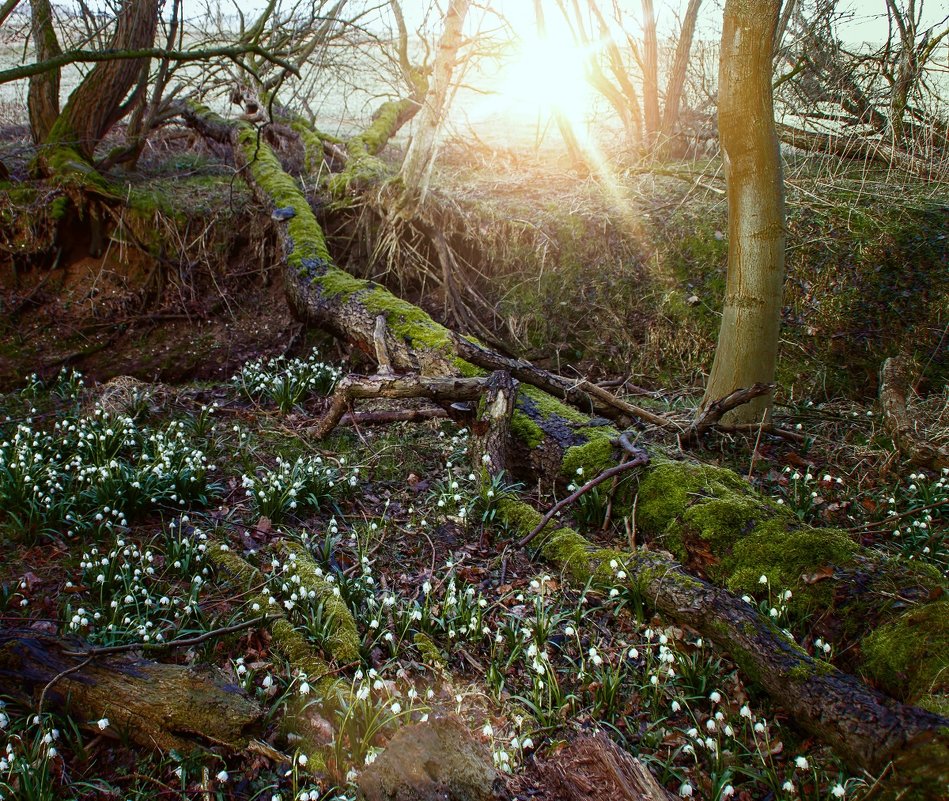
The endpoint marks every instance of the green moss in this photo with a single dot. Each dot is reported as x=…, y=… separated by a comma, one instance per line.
x=309, y=244
x=784, y=556
x=58, y=208
x=805, y=670
x=429, y=651
x=525, y=429
x=669, y=488
x=286, y=638
x=909, y=657
x=592, y=457
x=343, y=643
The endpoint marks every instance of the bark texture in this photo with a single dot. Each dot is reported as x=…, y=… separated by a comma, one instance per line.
x=97, y=103
x=156, y=705
x=43, y=95
x=748, y=339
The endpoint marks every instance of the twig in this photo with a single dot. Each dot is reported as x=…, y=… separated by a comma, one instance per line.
x=893, y=518
x=641, y=459
x=712, y=413
x=153, y=646
x=59, y=676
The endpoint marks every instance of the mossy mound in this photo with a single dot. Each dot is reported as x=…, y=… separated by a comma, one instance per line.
x=713, y=520
x=910, y=656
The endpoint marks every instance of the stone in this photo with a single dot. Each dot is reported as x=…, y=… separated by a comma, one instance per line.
x=438, y=760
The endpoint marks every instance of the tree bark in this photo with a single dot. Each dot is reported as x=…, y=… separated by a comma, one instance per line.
x=417, y=165
x=748, y=338
x=97, y=103
x=670, y=112
x=43, y=95
x=157, y=705
x=650, y=74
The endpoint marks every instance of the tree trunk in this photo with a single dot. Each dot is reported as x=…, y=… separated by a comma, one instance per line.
x=43, y=97
x=650, y=74
x=748, y=338
x=156, y=705
x=670, y=112
x=416, y=168
x=97, y=103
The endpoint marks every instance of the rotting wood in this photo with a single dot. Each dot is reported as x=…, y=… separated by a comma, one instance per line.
x=156, y=705
x=893, y=391
x=388, y=385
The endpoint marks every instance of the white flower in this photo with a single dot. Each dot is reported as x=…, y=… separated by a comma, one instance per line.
x=727, y=791
x=675, y=706
x=221, y=776
x=788, y=787
x=801, y=762
x=103, y=724
x=715, y=696
x=396, y=708
x=838, y=791
x=763, y=579
x=302, y=759
x=304, y=688
x=686, y=790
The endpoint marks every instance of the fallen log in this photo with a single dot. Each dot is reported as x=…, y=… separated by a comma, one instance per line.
x=869, y=730
x=553, y=441
x=156, y=705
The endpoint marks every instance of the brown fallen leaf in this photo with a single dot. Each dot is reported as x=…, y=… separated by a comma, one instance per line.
x=820, y=574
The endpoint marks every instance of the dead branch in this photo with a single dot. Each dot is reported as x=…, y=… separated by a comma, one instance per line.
x=716, y=409
x=391, y=386
x=642, y=458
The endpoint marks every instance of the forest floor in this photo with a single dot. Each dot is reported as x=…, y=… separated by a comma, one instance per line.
x=182, y=293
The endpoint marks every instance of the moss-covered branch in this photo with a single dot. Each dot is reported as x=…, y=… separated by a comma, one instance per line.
x=869, y=729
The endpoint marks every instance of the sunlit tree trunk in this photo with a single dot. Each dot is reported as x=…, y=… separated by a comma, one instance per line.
x=416, y=168
x=650, y=73
x=670, y=112
x=43, y=95
x=748, y=339
x=97, y=103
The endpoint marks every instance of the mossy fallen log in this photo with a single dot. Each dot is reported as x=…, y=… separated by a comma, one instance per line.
x=714, y=522
x=869, y=729
x=156, y=705
x=552, y=440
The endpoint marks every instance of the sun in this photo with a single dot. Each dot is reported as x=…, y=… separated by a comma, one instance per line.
x=547, y=75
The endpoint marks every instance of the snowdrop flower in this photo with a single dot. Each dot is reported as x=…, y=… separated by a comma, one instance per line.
x=221, y=776
x=715, y=696
x=838, y=791
x=103, y=724
x=686, y=790
x=801, y=762
x=675, y=706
